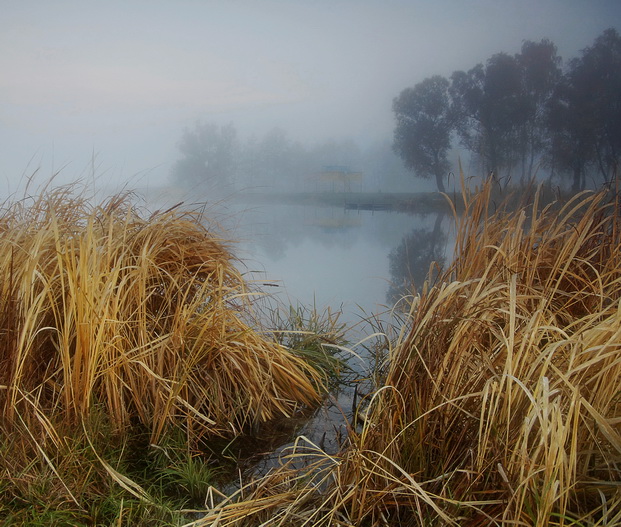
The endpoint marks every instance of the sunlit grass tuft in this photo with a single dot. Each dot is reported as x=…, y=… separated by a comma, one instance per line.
x=145, y=316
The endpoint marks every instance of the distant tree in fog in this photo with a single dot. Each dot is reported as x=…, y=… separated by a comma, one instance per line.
x=384, y=169
x=490, y=109
x=273, y=155
x=501, y=108
x=585, y=116
x=422, y=134
x=273, y=162
x=209, y=157
x=572, y=145
x=541, y=72
x=279, y=160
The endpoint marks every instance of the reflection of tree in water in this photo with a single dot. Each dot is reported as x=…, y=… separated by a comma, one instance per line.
x=411, y=259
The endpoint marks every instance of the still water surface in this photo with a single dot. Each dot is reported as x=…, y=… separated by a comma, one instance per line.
x=356, y=262
x=329, y=256
x=343, y=259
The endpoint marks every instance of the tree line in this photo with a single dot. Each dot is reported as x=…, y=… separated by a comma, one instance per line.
x=519, y=114
x=214, y=159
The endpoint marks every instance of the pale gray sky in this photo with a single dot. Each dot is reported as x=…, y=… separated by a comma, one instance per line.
x=125, y=77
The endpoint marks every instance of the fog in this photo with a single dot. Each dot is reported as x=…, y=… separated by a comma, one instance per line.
x=120, y=81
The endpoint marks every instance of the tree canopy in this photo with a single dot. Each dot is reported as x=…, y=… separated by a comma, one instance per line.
x=424, y=124
x=214, y=159
x=519, y=114
x=585, y=116
x=209, y=157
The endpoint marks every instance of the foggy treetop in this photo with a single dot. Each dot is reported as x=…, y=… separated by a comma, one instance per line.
x=520, y=115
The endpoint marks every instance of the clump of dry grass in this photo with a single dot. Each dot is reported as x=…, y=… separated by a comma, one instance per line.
x=501, y=405
x=504, y=395
x=145, y=317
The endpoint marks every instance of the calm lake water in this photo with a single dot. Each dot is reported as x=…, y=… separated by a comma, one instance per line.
x=325, y=255
x=330, y=256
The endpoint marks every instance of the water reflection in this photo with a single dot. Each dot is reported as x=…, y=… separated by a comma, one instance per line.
x=354, y=260
x=420, y=255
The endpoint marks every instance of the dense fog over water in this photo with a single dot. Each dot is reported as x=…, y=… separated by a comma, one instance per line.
x=271, y=93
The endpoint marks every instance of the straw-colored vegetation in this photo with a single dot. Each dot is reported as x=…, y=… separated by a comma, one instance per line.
x=123, y=336
x=129, y=342
x=502, y=400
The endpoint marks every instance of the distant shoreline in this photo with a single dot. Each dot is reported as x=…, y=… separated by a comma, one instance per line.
x=410, y=202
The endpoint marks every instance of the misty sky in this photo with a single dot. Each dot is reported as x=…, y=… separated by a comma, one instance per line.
x=123, y=78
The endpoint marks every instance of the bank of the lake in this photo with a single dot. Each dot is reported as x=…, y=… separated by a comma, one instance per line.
x=499, y=403
x=415, y=202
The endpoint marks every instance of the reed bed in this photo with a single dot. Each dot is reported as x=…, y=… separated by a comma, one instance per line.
x=142, y=317
x=501, y=403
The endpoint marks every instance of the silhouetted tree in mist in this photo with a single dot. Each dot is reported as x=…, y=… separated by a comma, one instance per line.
x=209, y=157
x=541, y=72
x=501, y=108
x=585, y=115
x=572, y=142
x=422, y=134
x=519, y=112
x=490, y=109
x=281, y=161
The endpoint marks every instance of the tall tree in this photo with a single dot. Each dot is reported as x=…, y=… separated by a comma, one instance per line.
x=422, y=134
x=489, y=107
x=281, y=160
x=540, y=72
x=598, y=72
x=572, y=144
x=585, y=116
x=210, y=155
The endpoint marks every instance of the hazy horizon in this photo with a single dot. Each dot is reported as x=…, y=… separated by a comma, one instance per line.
x=123, y=80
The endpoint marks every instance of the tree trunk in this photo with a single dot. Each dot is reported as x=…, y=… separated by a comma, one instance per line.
x=440, y=181
x=577, y=179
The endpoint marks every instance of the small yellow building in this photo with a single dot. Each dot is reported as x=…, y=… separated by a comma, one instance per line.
x=337, y=178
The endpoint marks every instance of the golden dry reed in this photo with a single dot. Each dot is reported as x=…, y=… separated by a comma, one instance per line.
x=146, y=318
x=502, y=403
